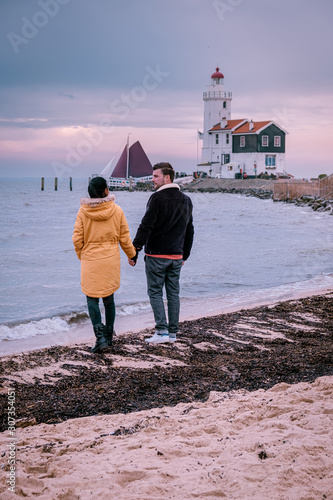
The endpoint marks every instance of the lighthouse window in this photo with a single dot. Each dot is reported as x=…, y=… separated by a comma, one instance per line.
x=277, y=141
x=224, y=104
x=264, y=140
x=216, y=138
x=242, y=141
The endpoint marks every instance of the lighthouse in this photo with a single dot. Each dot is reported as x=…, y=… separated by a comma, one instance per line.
x=217, y=109
x=232, y=148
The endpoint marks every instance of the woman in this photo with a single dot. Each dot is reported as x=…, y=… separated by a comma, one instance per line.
x=99, y=228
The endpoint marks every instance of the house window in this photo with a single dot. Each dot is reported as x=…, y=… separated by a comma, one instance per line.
x=227, y=139
x=270, y=160
x=230, y=168
x=277, y=141
x=216, y=138
x=264, y=140
x=242, y=141
x=224, y=104
x=225, y=158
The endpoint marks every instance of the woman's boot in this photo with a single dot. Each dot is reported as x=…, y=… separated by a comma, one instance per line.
x=101, y=342
x=108, y=334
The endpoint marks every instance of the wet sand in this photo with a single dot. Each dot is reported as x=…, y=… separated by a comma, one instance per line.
x=190, y=309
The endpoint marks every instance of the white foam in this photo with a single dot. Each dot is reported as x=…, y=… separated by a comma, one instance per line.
x=131, y=309
x=210, y=306
x=32, y=328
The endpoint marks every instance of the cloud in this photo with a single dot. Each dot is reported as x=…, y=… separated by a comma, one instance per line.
x=105, y=43
x=86, y=63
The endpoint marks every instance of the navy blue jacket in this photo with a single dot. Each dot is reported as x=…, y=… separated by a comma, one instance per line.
x=167, y=226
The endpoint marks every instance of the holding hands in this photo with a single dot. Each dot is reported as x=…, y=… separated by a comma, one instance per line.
x=133, y=260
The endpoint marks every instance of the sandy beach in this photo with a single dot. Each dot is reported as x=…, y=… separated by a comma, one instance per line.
x=240, y=407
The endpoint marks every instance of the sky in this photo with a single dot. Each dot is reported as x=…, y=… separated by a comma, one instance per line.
x=78, y=77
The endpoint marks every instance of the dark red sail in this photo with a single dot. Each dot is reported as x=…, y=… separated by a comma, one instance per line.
x=120, y=168
x=139, y=164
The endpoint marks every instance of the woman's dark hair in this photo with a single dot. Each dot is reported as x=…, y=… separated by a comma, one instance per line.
x=97, y=186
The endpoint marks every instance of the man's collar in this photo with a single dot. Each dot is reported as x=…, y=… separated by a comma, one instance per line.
x=166, y=186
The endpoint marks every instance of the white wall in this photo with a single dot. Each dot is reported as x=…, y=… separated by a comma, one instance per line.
x=247, y=160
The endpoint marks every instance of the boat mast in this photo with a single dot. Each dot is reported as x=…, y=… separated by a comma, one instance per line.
x=127, y=161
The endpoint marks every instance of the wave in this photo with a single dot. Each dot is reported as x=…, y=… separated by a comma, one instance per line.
x=61, y=323
x=131, y=309
x=191, y=306
x=32, y=328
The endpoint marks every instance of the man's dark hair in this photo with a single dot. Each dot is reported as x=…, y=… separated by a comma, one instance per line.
x=97, y=186
x=166, y=169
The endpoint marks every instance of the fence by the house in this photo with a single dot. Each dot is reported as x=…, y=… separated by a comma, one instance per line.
x=295, y=188
x=326, y=187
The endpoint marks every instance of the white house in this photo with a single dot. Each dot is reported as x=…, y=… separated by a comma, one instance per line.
x=234, y=147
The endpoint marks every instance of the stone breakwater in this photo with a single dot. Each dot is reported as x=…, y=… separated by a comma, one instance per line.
x=258, y=193
x=260, y=188
x=317, y=204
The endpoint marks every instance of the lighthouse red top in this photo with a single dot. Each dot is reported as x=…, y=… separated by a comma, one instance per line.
x=217, y=74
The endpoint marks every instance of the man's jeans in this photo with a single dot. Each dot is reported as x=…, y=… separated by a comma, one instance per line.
x=162, y=272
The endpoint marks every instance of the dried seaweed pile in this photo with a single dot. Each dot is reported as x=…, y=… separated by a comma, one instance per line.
x=249, y=349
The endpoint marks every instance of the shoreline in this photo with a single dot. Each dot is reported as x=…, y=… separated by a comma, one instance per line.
x=260, y=188
x=257, y=327
x=137, y=323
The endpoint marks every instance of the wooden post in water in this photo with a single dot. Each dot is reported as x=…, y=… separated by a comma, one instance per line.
x=42, y=184
x=56, y=183
x=70, y=184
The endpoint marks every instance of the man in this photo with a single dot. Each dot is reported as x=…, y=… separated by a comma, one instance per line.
x=166, y=231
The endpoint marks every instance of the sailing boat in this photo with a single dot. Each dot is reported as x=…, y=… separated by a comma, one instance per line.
x=133, y=166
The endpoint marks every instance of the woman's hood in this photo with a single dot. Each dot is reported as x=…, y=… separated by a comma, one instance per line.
x=98, y=208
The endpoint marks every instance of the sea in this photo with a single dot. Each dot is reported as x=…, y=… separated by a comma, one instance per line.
x=246, y=251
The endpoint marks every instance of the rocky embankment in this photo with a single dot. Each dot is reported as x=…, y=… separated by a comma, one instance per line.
x=260, y=188
x=317, y=204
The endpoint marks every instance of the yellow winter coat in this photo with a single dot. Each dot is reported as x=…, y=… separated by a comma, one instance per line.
x=99, y=228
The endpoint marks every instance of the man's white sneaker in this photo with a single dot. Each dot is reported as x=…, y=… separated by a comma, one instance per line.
x=172, y=339
x=158, y=338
